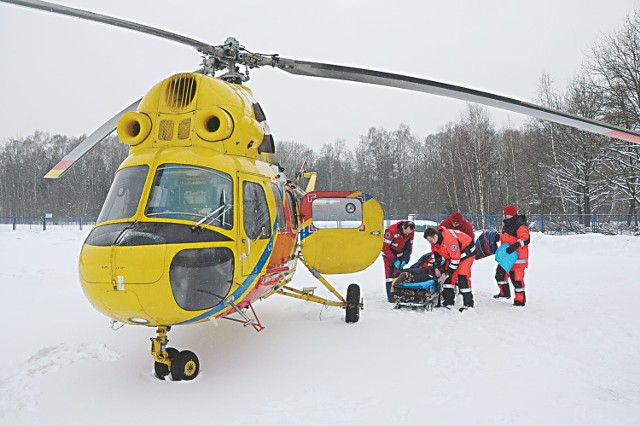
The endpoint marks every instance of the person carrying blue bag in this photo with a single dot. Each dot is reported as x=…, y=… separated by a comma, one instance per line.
x=513, y=256
x=396, y=250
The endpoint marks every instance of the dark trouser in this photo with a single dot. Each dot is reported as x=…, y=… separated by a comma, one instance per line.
x=517, y=278
x=448, y=293
x=465, y=290
x=448, y=296
x=503, y=284
x=390, y=272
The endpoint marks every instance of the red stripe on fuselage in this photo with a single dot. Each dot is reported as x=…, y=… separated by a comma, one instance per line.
x=264, y=285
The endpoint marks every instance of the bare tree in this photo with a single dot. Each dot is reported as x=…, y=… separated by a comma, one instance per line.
x=614, y=65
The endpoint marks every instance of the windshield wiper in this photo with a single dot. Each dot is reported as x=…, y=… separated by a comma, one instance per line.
x=222, y=210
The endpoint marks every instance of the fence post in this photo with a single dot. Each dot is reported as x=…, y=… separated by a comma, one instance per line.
x=542, y=223
x=81, y=223
x=44, y=223
x=594, y=223
x=14, y=220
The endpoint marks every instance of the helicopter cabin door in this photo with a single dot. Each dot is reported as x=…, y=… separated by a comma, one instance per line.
x=256, y=230
x=342, y=231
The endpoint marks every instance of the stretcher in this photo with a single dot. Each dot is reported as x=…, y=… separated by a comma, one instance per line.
x=420, y=295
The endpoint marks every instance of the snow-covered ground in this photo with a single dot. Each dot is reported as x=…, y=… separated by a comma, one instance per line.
x=570, y=357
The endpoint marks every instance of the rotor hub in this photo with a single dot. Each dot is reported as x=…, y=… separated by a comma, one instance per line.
x=230, y=57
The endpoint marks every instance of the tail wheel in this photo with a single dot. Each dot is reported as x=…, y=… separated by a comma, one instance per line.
x=353, y=303
x=185, y=366
x=162, y=370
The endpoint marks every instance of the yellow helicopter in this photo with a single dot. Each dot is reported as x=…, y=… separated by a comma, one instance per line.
x=200, y=223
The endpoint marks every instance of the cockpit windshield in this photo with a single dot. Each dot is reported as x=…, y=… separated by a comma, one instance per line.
x=202, y=195
x=124, y=194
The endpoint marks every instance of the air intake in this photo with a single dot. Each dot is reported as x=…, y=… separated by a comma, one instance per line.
x=180, y=91
x=165, y=133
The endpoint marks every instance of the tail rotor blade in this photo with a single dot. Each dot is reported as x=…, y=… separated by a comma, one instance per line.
x=89, y=143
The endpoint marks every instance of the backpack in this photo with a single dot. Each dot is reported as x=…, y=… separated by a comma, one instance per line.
x=487, y=243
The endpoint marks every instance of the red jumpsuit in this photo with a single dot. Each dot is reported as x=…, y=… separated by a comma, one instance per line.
x=514, y=231
x=396, y=250
x=459, y=251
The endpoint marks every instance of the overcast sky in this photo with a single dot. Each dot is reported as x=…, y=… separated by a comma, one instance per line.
x=64, y=75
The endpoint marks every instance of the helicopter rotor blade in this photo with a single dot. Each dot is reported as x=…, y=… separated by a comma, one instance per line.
x=233, y=54
x=338, y=72
x=91, y=16
x=89, y=143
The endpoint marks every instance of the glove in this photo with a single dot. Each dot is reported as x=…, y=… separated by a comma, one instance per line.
x=513, y=247
x=397, y=264
x=402, y=264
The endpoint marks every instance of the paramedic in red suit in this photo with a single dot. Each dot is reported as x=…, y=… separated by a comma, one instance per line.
x=515, y=233
x=459, y=251
x=457, y=222
x=396, y=250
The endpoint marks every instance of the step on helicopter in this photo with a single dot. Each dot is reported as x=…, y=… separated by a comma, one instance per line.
x=200, y=222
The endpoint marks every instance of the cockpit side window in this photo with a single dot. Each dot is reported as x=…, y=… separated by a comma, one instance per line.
x=293, y=209
x=124, y=194
x=187, y=192
x=282, y=224
x=257, y=223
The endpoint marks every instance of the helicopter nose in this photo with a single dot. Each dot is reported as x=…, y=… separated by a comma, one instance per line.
x=155, y=272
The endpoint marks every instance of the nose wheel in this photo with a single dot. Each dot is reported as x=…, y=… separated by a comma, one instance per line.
x=182, y=365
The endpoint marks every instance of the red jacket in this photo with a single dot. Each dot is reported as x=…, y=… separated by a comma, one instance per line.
x=515, y=230
x=453, y=246
x=396, y=245
x=463, y=224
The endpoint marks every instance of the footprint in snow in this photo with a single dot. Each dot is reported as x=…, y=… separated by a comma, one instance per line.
x=16, y=390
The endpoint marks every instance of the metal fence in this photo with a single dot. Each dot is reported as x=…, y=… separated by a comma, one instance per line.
x=558, y=224
x=43, y=222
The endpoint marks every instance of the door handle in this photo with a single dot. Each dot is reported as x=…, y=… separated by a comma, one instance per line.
x=245, y=255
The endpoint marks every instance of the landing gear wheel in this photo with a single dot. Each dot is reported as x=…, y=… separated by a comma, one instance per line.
x=162, y=370
x=185, y=366
x=353, y=303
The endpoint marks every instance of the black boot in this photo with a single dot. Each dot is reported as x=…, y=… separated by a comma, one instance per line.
x=520, y=298
x=505, y=292
x=467, y=300
x=448, y=296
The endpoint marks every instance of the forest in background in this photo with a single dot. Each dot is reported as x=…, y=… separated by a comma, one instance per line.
x=468, y=165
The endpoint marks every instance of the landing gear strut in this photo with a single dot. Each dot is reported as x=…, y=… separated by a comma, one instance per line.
x=181, y=365
x=352, y=305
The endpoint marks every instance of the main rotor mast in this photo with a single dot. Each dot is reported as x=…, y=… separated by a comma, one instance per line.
x=230, y=56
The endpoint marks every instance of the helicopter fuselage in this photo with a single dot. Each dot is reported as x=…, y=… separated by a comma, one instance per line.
x=195, y=218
